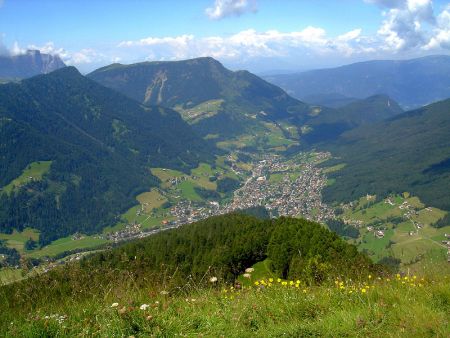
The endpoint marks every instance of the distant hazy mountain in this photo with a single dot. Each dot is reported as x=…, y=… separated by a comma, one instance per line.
x=330, y=123
x=332, y=100
x=101, y=145
x=412, y=83
x=409, y=152
x=232, y=101
x=29, y=64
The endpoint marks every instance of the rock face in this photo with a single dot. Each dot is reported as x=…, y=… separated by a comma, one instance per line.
x=33, y=62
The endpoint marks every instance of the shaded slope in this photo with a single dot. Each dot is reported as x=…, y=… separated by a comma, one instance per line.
x=331, y=123
x=409, y=152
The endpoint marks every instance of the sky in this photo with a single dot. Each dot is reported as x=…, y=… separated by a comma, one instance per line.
x=259, y=35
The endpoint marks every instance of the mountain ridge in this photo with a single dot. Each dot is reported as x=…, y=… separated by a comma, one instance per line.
x=32, y=63
x=184, y=85
x=412, y=83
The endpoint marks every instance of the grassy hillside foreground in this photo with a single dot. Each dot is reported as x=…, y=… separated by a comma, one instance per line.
x=231, y=276
x=400, y=306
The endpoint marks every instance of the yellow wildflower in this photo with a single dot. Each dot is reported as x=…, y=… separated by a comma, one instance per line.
x=271, y=280
x=363, y=290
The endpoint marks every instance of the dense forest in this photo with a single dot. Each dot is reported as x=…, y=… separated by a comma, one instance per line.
x=101, y=145
x=229, y=244
x=329, y=124
x=221, y=246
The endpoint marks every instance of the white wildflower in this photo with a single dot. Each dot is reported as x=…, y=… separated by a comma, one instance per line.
x=213, y=279
x=144, y=307
x=114, y=304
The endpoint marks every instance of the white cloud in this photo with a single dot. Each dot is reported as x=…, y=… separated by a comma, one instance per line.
x=441, y=38
x=16, y=49
x=405, y=25
x=226, y=8
x=248, y=44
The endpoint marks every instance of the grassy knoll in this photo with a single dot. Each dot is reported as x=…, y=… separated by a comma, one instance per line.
x=258, y=271
x=34, y=171
x=390, y=307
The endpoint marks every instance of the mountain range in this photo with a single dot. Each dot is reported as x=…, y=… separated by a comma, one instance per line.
x=213, y=99
x=412, y=83
x=32, y=63
x=100, y=144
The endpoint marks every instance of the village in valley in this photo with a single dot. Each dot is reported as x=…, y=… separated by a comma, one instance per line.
x=284, y=187
x=293, y=187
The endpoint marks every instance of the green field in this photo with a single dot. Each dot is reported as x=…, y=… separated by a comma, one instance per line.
x=413, y=246
x=269, y=138
x=151, y=200
x=17, y=240
x=34, y=171
x=376, y=247
x=199, y=112
x=67, y=244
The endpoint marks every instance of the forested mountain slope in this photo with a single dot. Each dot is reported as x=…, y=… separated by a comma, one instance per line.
x=100, y=145
x=409, y=152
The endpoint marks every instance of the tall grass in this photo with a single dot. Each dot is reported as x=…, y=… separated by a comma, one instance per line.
x=111, y=307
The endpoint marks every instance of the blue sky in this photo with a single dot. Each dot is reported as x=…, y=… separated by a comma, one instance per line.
x=259, y=35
